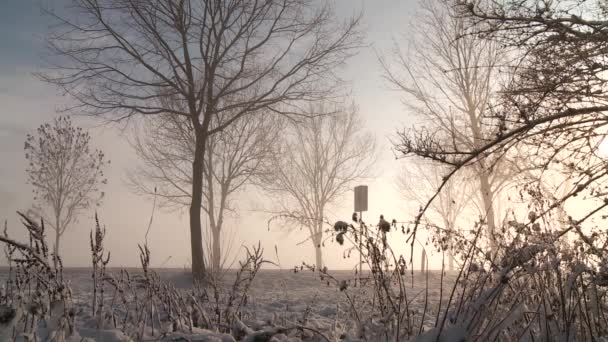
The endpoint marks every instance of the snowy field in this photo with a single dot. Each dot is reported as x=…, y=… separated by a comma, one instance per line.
x=277, y=297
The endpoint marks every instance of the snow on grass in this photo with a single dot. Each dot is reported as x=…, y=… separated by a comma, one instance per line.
x=276, y=298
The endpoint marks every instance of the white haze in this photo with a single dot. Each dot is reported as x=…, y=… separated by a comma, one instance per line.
x=26, y=103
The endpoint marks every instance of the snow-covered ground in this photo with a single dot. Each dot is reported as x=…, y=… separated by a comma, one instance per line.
x=277, y=297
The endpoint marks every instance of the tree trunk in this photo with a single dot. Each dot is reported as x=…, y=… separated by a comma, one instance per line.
x=448, y=226
x=56, y=257
x=217, y=250
x=423, y=265
x=196, y=236
x=319, y=228
x=57, y=238
x=318, y=256
x=317, y=238
x=487, y=198
x=450, y=261
x=485, y=187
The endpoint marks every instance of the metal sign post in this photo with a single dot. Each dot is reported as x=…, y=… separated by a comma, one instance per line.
x=360, y=206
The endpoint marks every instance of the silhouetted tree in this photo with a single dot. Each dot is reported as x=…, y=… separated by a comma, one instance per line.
x=450, y=82
x=553, y=109
x=66, y=174
x=420, y=179
x=218, y=60
x=238, y=156
x=320, y=158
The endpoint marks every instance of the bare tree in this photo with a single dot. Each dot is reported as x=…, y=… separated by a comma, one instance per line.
x=65, y=172
x=449, y=84
x=237, y=156
x=553, y=108
x=556, y=106
x=320, y=159
x=420, y=179
x=219, y=60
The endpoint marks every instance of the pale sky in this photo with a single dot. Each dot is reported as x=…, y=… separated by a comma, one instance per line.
x=26, y=102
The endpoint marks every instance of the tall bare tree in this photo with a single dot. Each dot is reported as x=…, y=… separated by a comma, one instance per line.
x=553, y=107
x=219, y=60
x=237, y=156
x=420, y=179
x=450, y=81
x=66, y=174
x=320, y=159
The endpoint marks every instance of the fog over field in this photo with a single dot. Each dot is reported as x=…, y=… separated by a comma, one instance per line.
x=23, y=32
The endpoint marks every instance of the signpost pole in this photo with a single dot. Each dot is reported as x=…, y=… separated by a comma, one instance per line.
x=360, y=246
x=360, y=206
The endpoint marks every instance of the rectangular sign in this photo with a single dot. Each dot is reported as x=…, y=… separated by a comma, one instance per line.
x=361, y=198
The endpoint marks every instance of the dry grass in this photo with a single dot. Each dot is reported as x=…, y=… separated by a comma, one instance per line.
x=535, y=288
